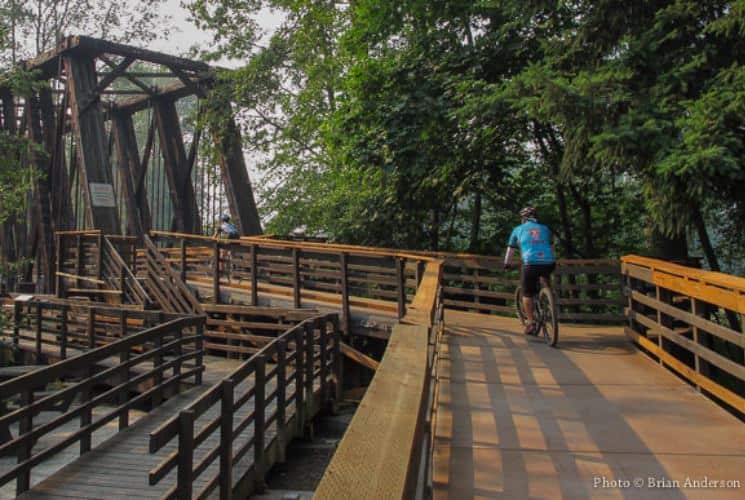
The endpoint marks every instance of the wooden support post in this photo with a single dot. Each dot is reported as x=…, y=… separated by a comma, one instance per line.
x=345, y=310
x=259, y=421
x=226, y=440
x=79, y=263
x=58, y=280
x=38, y=332
x=124, y=358
x=183, y=260
x=338, y=360
x=401, y=286
x=216, y=275
x=296, y=278
x=92, y=146
x=281, y=397
x=199, y=358
x=25, y=425
x=659, y=322
x=179, y=351
x=99, y=256
x=696, y=360
x=17, y=308
x=299, y=379
x=309, y=364
x=254, y=276
x=158, y=373
x=91, y=329
x=185, y=472
x=323, y=369
x=63, y=331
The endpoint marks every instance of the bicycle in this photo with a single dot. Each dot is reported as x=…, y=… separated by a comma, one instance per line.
x=545, y=312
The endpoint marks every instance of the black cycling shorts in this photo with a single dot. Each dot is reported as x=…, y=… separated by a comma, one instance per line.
x=530, y=277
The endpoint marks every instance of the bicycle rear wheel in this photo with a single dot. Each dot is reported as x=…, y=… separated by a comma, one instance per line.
x=519, y=309
x=549, y=316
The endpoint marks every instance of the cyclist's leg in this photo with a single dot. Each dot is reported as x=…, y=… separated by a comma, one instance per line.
x=529, y=284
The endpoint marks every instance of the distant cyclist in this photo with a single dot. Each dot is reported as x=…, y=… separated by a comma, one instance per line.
x=226, y=228
x=534, y=241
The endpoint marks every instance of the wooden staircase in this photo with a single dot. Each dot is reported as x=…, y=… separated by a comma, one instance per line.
x=165, y=285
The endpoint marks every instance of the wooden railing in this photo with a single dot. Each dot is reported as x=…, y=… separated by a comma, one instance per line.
x=241, y=331
x=166, y=285
x=382, y=279
x=342, y=276
x=400, y=401
x=89, y=264
x=55, y=327
x=145, y=357
x=692, y=322
x=588, y=290
x=256, y=409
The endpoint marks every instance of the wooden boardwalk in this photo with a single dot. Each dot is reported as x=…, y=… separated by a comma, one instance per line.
x=517, y=419
x=118, y=467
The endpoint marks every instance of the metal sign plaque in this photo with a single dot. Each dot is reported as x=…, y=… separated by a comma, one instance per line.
x=102, y=195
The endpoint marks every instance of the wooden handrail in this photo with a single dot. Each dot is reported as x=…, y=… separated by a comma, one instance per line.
x=152, y=340
x=299, y=348
x=682, y=311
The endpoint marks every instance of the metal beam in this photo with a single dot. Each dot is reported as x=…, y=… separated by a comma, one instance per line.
x=185, y=207
x=235, y=178
x=90, y=133
x=138, y=210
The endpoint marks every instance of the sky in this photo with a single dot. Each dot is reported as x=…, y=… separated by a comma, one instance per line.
x=185, y=34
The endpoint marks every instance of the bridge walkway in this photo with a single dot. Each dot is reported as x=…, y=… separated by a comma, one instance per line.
x=518, y=419
x=118, y=464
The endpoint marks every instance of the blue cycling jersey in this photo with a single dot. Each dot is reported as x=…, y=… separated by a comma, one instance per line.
x=534, y=242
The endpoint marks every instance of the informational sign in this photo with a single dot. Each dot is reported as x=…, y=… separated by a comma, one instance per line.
x=24, y=298
x=102, y=195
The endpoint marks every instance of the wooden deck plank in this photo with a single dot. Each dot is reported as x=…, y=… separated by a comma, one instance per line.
x=518, y=419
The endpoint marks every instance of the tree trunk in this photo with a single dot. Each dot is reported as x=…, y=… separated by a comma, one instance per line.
x=475, y=223
x=435, y=233
x=703, y=236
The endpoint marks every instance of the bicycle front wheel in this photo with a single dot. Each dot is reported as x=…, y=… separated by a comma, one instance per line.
x=519, y=309
x=549, y=316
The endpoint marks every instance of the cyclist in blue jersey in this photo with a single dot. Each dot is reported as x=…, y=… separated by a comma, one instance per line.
x=534, y=241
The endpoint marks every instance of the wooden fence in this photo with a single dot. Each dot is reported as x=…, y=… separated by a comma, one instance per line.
x=588, y=290
x=256, y=409
x=147, y=356
x=382, y=280
x=692, y=322
x=89, y=264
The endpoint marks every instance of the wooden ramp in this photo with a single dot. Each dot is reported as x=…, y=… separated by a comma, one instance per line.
x=518, y=419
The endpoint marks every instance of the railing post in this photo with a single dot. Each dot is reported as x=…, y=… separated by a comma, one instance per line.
x=216, y=275
x=99, y=257
x=58, y=289
x=345, y=312
x=309, y=365
x=185, y=472
x=338, y=359
x=23, y=481
x=183, y=260
x=17, y=307
x=199, y=358
x=124, y=358
x=296, y=278
x=63, y=331
x=254, y=276
x=38, y=332
x=401, y=282
x=323, y=371
x=157, y=365
x=259, y=421
x=299, y=376
x=122, y=282
x=79, y=267
x=226, y=440
x=282, y=396
x=91, y=330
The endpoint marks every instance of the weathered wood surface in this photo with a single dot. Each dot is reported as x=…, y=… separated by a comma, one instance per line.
x=516, y=419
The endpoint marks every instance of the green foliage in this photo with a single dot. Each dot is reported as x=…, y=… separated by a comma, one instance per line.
x=427, y=124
